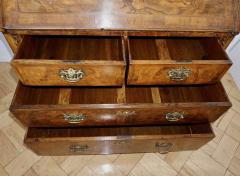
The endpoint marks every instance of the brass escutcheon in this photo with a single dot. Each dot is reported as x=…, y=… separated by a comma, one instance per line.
x=78, y=148
x=163, y=147
x=174, y=116
x=71, y=75
x=74, y=118
x=126, y=113
x=179, y=74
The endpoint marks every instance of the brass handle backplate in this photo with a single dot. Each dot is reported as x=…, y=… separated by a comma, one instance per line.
x=74, y=118
x=163, y=147
x=122, y=142
x=179, y=74
x=71, y=75
x=174, y=116
x=78, y=148
x=126, y=113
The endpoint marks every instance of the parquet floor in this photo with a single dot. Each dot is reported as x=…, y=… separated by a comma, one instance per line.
x=220, y=157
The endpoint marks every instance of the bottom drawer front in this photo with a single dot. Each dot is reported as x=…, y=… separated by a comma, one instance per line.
x=162, y=139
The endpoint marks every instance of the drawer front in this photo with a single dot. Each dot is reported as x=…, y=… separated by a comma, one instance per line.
x=121, y=140
x=116, y=147
x=57, y=73
x=141, y=73
x=119, y=116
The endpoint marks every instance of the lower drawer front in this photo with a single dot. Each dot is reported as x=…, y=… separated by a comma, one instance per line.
x=85, y=106
x=74, y=141
x=125, y=116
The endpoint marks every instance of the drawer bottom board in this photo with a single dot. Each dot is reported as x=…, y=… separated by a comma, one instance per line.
x=117, y=140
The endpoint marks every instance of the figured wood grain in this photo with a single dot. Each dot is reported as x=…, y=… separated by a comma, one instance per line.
x=121, y=95
x=40, y=106
x=236, y=5
x=14, y=41
x=162, y=15
x=156, y=95
x=205, y=58
x=1, y=16
x=117, y=140
x=64, y=96
x=105, y=32
x=40, y=59
x=162, y=49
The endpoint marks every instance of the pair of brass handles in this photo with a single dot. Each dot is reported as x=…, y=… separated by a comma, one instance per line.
x=162, y=147
x=77, y=118
x=74, y=75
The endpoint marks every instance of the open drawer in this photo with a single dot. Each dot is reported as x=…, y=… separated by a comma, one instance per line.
x=109, y=140
x=128, y=105
x=70, y=61
x=158, y=61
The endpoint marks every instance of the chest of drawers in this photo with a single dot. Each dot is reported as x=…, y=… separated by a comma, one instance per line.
x=102, y=77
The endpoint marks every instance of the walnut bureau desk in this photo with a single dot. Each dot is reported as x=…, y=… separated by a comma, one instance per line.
x=119, y=76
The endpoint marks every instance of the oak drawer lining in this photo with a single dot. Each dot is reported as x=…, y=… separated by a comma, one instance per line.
x=26, y=95
x=178, y=49
x=137, y=131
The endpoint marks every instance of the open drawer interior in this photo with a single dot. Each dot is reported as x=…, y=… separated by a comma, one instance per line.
x=99, y=140
x=26, y=95
x=135, y=132
x=176, y=49
x=71, y=48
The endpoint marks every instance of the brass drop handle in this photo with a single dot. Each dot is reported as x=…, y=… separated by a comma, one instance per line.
x=126, y=113
x=122, y=142
x=179, y=74
x=78, y=148
x=163, y=147
x=71, y=75
x=74, y=118
x=174, y=116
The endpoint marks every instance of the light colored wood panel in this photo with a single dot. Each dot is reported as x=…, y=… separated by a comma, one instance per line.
x=15, y=134
x=13, y=41
x=121, y=95
x=225, y=150
x=1, y=16
x=156, y=95
x=234, y=166
x=233, y=128
x=200, y=163
x=125, y=163
x=3, y=172
x=74, y=164
x=48, y=166
x=163, y=15
x=162, y=49
x=64, y=96
x=7, y=149
x=22, y=163
x=159, y=168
